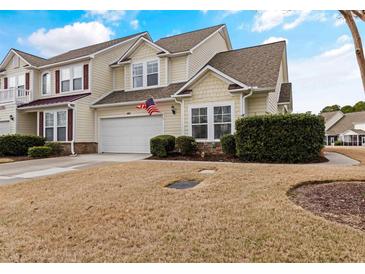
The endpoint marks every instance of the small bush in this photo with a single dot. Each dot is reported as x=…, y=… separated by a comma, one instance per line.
x=228, y=144
x=186, y=145
x=161, y=145
x=339, y=143
x=56, y=148
x=18, y=145
x=39, y=152
x=289, y=138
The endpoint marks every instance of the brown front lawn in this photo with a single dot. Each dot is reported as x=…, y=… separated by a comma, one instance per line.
x=123, y=213
x=4, y=160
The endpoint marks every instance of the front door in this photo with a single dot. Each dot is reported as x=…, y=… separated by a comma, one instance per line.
x=332, y=141
x=363, y=140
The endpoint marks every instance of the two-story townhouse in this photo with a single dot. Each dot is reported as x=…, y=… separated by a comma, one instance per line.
x=199, y=83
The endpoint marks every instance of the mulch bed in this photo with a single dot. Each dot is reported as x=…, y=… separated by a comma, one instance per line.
x=15, y=159
x=343, y=202
x=211, y=158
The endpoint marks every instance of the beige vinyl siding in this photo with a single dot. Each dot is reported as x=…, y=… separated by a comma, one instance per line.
x=171, y=121
x=256, y=105
x=118, y=78
x=273, y=97
x=209, y=89
x=178, y=69
x=202, y=54
x=5, y=113
x=101, y=83
x=26, y=123
x=163, y=71
x=144, y=51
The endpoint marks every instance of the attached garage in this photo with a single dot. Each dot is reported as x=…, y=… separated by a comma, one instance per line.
x=4, y=127
x=129, y=134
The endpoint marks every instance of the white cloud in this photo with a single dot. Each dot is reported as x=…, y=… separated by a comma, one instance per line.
x=204, y=11
x=241, y=26
x=266, y=20
x=331, y=77
x=134, y=24
x=54, y=41
x=343, y=39
x=338, y=19
x=300, y=19
x=112, y=16
x=273, y=39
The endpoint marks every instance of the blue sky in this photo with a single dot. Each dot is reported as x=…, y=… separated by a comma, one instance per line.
x=322, y=65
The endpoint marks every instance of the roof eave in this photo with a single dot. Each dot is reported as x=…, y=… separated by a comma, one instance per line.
x=129, y=103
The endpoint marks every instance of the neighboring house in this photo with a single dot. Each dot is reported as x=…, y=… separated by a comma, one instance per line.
x=346, y=127
x=87, y=97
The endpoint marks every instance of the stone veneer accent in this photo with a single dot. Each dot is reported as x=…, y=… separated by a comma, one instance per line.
x=81, y=148
x=210, y=147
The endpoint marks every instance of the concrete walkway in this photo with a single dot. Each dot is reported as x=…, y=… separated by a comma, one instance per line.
x=339, y=159
x=19, y=171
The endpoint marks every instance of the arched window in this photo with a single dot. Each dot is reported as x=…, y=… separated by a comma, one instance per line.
x=46, y=84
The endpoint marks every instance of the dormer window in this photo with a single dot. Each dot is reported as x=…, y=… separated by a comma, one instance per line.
x=145, y=74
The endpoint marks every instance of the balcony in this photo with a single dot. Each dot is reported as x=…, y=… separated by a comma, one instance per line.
x=17, y=95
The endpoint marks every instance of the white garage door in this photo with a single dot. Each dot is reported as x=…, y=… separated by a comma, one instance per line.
x=4, y=127
x=129, y=135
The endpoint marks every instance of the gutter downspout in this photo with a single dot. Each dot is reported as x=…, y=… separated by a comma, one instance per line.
x=73, y=130
x=243, y=102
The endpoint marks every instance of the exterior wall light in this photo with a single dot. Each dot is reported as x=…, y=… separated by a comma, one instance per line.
x=173, y=110
x=11, y=117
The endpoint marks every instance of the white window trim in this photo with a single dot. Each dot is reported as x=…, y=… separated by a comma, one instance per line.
x=210, y=113
x=55, y=125
x=50, y=83
x=71, y=68
x=144, y=66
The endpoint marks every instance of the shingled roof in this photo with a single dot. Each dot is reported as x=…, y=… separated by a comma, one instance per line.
x=54, y=100
x=186, y=41
x=285, y=93
x=347, y=122
x=72, y=54
x=256, y=66
x=140, y=95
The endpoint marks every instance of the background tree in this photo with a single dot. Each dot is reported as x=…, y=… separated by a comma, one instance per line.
x=331, y=108
x=350, y=16
x=359, y=106
x=347, y=109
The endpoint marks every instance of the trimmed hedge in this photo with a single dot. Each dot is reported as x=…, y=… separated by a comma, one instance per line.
x=186, y=145
x=289, y=138
x=39, y=152
x=339, y=143
x=18, y=145
x=228, y=144
x=161, y=145
x=56, y=148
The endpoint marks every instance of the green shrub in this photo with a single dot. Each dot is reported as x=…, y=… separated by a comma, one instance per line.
x=186, y=145
x=56, y=148
x=17, y=145
x=228, y=144
x=289, y=138
x=339, y=143
x=39, y=152
x=161, y=145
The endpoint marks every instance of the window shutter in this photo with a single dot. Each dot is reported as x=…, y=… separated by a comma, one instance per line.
x=86, y=76
x=40, y=123
x=70, y=125
x=57, y=82
x=6, y=83
x=27, y=81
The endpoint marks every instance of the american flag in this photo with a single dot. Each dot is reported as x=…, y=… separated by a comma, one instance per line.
x=149, y=106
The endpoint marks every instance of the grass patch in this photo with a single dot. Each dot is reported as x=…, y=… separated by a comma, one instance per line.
x=116, y=213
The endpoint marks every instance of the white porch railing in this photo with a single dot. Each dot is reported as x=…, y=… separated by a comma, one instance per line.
x=16, y=95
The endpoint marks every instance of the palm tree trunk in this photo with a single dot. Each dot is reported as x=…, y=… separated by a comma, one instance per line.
x=359, y=51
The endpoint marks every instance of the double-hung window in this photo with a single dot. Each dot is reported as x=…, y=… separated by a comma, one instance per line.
x=211, y=122
x=65, y=80
x=12, y=82
x=46, y=83
x=145, y=74
x=56, y=125
x=199, y=122
x=77, y=78
x=138, y=75
x=152, y=73
x=21, y=85
x=222, y=121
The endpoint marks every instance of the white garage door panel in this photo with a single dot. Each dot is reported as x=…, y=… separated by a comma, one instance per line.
x=4, y=128
x=129, y=135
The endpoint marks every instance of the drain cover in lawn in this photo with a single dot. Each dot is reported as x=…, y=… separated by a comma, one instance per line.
x=183, y=184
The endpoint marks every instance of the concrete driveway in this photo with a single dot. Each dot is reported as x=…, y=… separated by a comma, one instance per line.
x=26, y=170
